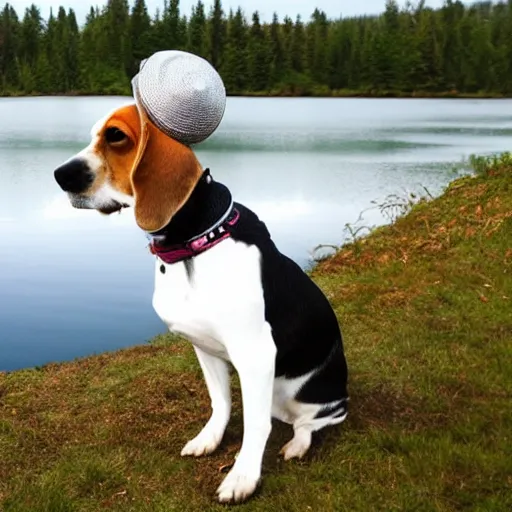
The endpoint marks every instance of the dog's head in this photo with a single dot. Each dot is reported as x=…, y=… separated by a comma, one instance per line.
x=129, y=162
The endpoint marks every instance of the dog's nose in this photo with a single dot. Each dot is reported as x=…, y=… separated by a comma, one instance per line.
x=74, y=176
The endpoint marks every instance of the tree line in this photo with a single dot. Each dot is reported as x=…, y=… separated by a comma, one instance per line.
x=456, y=49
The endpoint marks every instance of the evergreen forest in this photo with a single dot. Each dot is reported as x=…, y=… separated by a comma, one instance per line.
x=411, y=50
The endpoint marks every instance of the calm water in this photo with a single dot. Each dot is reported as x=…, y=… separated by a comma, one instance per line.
x=73, y=283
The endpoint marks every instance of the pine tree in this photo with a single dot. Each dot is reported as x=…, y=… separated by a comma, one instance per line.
x=408, y=57
x=391, y=43
x=339, y=56
x=172, y=35
x=9, y=49
x=72, y=52
x=317, y=47
x=30, y=36
x=287, y=44
x=298, y=46
x=217, y=26
x=198, y=32
x=235, y=69
x=451, y=45
x=258, y=56
x=427, y=76
x=88, y=51
x=140, y=35
x=508, y=47
x=54, y=50
x=277, y=68
x=500, y=35
x=117, y=48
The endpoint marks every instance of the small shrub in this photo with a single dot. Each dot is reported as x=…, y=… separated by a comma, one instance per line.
x=483, y=165
x=395, y=206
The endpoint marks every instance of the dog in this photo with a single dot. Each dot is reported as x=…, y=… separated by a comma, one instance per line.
x=221, y=282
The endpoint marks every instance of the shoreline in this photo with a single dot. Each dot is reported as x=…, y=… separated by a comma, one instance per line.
x=310, y=270
x=346, y=94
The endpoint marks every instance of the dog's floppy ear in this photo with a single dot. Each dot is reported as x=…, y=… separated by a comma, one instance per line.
x=164, y=175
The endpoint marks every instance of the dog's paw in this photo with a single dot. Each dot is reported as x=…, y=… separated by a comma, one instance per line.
x=298, y=446
x=204, y=443
x=236, y=487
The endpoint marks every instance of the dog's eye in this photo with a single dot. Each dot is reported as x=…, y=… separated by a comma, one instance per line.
x=115, y=136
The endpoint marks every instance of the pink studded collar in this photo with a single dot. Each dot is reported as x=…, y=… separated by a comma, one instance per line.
x=179, y=252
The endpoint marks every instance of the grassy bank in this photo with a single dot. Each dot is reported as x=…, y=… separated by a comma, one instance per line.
x=426, y=309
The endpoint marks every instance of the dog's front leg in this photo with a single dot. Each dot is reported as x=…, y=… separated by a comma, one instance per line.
x=216, y=375
x=253, y=356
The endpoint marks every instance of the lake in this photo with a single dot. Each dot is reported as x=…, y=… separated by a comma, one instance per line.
x=75, y=283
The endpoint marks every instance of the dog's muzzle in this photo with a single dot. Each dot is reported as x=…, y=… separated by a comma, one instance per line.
x=74, y=176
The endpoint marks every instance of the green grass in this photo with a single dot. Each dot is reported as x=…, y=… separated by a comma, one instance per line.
x=426, y=310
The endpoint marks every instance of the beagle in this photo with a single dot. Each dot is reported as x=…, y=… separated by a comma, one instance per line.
x=222, y=283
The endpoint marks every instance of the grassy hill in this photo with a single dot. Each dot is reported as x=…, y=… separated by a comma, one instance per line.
x=426, y=310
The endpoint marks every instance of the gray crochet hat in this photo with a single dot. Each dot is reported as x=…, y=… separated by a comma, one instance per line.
x=182, y=94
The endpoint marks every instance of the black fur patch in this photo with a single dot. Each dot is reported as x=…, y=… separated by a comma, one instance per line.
x=304, y=326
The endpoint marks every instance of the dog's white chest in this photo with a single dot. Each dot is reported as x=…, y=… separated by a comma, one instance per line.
x=205, y=299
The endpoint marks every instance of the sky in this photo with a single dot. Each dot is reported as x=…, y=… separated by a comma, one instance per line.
x=333, y=8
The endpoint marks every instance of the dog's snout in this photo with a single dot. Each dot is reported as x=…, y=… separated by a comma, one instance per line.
x=74, y=176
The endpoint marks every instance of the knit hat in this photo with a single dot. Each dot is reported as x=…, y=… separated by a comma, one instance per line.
x=182, y=94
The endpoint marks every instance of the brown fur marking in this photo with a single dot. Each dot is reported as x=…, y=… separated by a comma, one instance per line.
x=159, y=171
